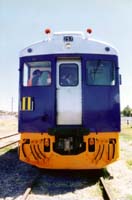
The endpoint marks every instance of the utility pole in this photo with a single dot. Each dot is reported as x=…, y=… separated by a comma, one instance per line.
x=12, y=104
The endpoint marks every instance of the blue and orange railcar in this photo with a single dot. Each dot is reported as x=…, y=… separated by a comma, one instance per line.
x=69, y=110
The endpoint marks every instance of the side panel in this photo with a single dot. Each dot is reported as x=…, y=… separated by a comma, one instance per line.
x=101, y=104
x=42, y=115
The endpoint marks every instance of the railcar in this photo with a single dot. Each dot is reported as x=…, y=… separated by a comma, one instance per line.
x=69, y=102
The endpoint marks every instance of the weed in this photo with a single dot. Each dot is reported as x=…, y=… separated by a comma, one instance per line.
x=129, y=197
x=6, y=149
x=129, y=164
x=126, y=133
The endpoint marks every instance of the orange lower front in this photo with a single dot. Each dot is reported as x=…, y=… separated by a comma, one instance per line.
x=106, y=151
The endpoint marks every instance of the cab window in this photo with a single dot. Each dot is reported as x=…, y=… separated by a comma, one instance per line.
x=68, y=74
x=100, y=72
x=37, y=73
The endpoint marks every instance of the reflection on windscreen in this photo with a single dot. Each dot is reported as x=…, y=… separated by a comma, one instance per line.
x=100, y=72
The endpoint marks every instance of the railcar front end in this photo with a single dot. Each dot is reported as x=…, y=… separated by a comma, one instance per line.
x=69, y=108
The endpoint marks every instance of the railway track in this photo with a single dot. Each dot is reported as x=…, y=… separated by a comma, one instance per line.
x=29, y=188
x=106, y=192
x=8, y=140
x=103, y=185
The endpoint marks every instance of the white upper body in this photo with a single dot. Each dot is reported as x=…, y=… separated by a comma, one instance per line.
x=68, y=43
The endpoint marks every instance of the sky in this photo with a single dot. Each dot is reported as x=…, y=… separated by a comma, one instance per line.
x=23, y=22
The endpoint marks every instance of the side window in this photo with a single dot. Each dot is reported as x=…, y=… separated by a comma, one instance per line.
x=68, y=74
x=100, y=72
x=37, y=73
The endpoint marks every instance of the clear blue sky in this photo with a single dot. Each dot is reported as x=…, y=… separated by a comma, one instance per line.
x=22, y=23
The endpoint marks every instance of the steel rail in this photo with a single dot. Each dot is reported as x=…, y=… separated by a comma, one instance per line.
x=105, y=189
x=9, y=136
x=2, y=147
x=29, y=188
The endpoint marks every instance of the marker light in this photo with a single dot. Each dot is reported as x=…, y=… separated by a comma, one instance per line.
x=89, y=30
x=47, y=31
x=91, y=141
x=46, y=142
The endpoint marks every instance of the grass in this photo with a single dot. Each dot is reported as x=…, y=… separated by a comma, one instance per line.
x=6, y=149
x=126, y=136
x=126, y=132
x=129, y=197
x=129, y=163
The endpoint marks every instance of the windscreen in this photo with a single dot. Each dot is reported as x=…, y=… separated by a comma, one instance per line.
x=100, y=72
x=37, y=73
